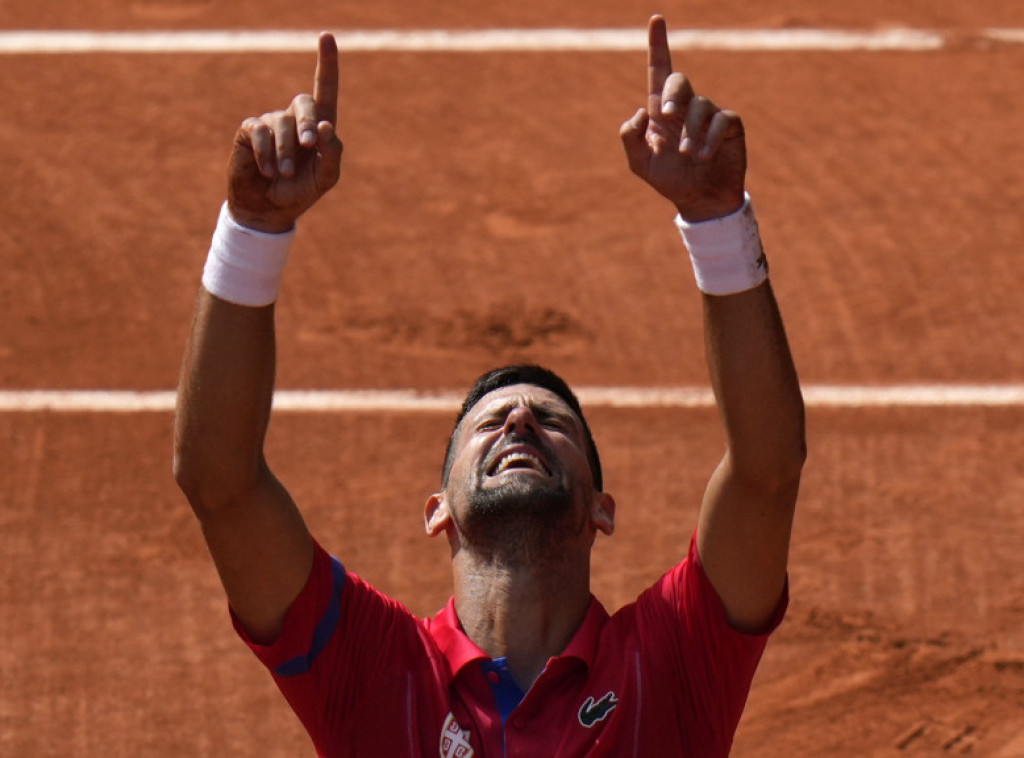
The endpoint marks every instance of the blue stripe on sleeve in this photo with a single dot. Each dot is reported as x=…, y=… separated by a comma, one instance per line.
x=324, y=628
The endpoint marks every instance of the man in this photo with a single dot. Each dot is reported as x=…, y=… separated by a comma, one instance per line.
x=523, y=661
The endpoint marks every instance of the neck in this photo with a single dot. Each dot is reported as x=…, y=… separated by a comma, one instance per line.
x=526, y=612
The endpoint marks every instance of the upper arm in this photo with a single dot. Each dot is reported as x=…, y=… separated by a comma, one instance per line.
x=263, y=553
x=743, y=540
x=258, y=540
x=747, y=514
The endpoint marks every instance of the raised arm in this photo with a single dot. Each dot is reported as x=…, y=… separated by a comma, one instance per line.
x=694, y=154
x=281, y=164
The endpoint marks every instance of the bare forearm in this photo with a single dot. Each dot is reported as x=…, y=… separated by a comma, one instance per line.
x=224, y=400
x=756, y=384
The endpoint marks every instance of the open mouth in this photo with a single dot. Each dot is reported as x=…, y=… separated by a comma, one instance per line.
x=518, y=459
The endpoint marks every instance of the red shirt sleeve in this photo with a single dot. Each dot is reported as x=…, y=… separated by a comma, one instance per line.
x=340, y=643
x=300, y=654
x=683, y=625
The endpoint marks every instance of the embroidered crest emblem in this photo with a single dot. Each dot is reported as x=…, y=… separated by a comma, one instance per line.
x=455, y=740
x=591, y=712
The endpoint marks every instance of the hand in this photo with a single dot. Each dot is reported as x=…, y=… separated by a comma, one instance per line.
x=682, y=144
x=284, y=161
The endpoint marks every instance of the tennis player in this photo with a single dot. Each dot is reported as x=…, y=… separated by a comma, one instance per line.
x=523, y=660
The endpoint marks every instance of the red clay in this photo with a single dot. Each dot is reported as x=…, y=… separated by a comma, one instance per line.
x=486, y=215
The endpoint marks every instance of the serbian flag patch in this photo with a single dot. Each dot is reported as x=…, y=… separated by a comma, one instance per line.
x=455, y=740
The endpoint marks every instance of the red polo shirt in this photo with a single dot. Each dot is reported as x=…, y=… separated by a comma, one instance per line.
x=665, y=675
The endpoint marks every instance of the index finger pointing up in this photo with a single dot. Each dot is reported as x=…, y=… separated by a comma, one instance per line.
x=659, y=62
x=325, y=84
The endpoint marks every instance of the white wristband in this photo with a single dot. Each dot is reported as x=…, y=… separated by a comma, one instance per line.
x=726, y=252
x=245, y=266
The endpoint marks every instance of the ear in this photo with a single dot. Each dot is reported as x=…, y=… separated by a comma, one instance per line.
x=602, y=513
x=435, y=514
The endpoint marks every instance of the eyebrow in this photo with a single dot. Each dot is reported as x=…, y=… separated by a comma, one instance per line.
x=542, y=408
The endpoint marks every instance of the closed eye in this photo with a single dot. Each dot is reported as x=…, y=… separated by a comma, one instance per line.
x=553, y=421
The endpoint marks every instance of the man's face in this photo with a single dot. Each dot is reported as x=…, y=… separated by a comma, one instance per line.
x=520, y=470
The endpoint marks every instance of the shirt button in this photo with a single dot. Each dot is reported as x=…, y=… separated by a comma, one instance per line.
x=493, y=677
x=518, y=722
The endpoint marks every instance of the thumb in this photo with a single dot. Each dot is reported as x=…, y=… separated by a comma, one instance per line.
x=242, y=161
x=634, y=140
x=328, y=159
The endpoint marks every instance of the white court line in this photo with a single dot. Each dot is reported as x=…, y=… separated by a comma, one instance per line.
x=22, y=42
x=1013, y=36
x=334, y=401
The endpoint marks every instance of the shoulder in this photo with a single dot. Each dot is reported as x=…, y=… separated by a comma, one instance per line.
x=683, y=605
x=335, y=608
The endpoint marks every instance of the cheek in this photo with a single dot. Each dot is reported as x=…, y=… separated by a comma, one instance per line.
x=571, y=461
x=582, y=470
x=467, y=464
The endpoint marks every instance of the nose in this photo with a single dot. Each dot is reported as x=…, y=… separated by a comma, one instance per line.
x=521, y=420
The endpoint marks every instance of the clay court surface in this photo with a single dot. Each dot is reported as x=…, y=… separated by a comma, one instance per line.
x=485, y=216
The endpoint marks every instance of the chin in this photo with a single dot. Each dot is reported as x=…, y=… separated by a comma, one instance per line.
x=524, y=495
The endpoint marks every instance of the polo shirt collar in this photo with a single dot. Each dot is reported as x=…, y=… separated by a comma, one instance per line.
x=583, y=645
x=459, y=650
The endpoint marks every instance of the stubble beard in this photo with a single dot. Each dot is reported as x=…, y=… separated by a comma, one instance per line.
x=522, y=519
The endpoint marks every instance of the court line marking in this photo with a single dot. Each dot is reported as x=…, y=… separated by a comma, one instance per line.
x=25, y=42
x=20, y=42
x=334, y=401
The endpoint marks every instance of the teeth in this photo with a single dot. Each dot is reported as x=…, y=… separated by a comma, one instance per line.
x=513, y=459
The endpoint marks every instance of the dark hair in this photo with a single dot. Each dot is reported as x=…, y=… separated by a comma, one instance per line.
x=523, y=374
